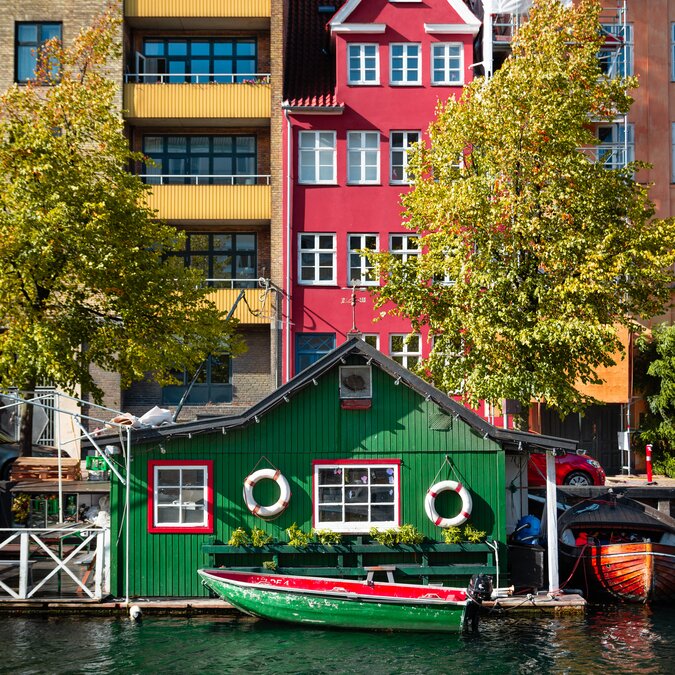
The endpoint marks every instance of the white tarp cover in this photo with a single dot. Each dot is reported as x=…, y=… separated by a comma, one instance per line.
x=511, y=6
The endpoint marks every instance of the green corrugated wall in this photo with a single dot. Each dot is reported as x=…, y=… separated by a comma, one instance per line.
x=311, y=426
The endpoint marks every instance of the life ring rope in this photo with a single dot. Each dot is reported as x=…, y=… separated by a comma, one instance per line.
x=430, y=503
x=279, y=506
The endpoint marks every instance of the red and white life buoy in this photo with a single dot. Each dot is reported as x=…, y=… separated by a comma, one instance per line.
x=281, y=503
x=430, y=503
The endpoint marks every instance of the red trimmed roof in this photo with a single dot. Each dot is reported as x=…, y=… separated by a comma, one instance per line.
x=309, y=77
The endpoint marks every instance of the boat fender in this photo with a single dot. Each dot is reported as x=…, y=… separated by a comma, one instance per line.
x=279, y=506
x=430, y=503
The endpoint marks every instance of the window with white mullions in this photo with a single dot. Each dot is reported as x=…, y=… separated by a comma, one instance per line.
x=447, y=63
x=372, y=339
x=405, y=64
x=363, y=157
x=404, y=246
x=400, y=144
x=617, y=145
x=317, y=156
x=616, y=55
x=316, y=258
x=360, y=269
x=180, y=493
x=405, y=349
x=363, y=66
x=352, y=496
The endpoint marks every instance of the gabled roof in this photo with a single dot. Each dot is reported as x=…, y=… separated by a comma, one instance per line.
x=309, y=74
x=514, y=440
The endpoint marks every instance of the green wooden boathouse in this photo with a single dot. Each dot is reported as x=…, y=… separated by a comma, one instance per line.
x=358, y=440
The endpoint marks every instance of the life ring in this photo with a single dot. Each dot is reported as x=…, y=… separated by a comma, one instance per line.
x=430, y=506
x=281, y=503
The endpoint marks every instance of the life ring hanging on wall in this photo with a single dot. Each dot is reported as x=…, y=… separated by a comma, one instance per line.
x=279, y=506
x=430, y=503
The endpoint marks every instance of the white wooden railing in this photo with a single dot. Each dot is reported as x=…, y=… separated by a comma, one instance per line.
x=47, y=544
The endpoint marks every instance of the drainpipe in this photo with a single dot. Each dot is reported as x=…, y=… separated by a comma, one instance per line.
x=289, y=159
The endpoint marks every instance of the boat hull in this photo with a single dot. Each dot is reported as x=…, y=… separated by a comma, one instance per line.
x=342, y=608
x=631, y=572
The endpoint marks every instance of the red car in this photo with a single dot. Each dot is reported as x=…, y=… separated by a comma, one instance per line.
x=570, y=469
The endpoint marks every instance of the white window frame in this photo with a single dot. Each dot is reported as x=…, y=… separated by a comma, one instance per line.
x=406, y=58
x=316, y=251
x=316, y=152
x=447, y=79
x=364, y=266
x=404, y=150
x=372, y=339
x=406, y=251
x=615, y=29
x=615, y=151
x=408, y=351
x=183, y=505
x=358, y=51
x=356, y=527
x=357, y=149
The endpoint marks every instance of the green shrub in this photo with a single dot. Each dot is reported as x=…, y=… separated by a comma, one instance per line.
x=260, y=537
x=328, y=537
x=385, y=537
x=666, y=466
x=409, y=534
x=269, y=565
x=296, y=537
x=452, y=535
x=473, y=535
x=239, y=538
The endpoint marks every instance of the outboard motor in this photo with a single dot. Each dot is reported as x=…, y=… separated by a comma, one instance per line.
x=479, y=589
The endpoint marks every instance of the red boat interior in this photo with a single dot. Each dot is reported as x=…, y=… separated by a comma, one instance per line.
x=318, y=585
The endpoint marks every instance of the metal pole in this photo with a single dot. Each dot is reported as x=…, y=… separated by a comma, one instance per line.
x=126, y=521
x=551, y=525
x=487, y=39
x=57, y=429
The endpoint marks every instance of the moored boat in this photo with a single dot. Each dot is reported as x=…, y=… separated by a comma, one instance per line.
x=614, y=547
x=341, y=603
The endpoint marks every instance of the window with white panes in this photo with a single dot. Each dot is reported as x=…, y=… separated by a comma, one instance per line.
x=316, y=259
x=372, y=339
x=405, y=349
x=617, y=145
x=405, y=64
x=616, y=55
x=447, y=63
x=353, y=496
x=360, y=271
x=404, y=246
x=363, y=64
x=400, y=143
x=317, y=156
x=363, y=157
x=181, y=496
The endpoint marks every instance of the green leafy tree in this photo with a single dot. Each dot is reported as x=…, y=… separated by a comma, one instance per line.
x=532, y=253
x=84, y=273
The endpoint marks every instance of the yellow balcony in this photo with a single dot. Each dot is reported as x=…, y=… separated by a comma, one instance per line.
x=189, y=13
x=198, y=104
x=254, y=308
x=212, y=202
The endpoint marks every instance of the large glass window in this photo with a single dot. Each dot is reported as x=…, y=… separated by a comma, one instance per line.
x=316, y=258
x=29, y=38
x=317, y=156
x=360, y=269
x=363, y=64
x=201, y=160
x=400, y=143
x=405, y=349
x=228, y=260
x=354, y=496
x=616, y=147
x=213, y=383
x=447, y=63
x=363, y=152
x=181, y=496
x=310, y=347
x=616, y=56
x=405, y=64
x=198, y=60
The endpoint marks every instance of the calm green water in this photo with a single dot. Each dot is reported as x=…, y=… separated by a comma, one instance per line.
x=607, y=640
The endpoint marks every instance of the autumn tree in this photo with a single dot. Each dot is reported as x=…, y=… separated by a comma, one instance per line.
x=532, y=252
x=84, y=273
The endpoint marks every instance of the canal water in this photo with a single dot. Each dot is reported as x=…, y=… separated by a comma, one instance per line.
x=631, y=639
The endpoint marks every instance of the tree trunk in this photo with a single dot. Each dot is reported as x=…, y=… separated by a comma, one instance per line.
x=26, y=424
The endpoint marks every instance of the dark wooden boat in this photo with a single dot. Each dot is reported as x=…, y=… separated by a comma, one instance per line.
x=339, y=603
x=613, y=547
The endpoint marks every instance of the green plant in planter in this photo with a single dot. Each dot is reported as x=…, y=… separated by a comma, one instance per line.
x=260, y=537
x=328, y=537
x=385, y=537
x=269, y=565
x=409, y=534
x=239, y=538
x=20, y=508
x=296, y=537
x=473, y=535
x=452, y=535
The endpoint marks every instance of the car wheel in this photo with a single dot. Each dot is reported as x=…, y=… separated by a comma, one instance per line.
x=578, y=479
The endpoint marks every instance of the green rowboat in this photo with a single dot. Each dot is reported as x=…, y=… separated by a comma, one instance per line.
x=327, y=602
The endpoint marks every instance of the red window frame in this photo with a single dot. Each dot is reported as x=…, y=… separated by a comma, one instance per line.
x=172, y=529
x=370, y=462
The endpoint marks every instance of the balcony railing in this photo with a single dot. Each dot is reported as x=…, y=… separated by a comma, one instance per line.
x=205, y=179
x=197, y=78
x=255, y=307
x=611, y=155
